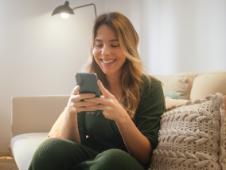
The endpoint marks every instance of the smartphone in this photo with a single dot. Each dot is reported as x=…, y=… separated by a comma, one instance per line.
x=87, y=83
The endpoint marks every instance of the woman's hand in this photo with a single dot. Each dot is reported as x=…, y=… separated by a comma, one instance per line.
x=77, y=102
x=108, y=103
x=66, y=126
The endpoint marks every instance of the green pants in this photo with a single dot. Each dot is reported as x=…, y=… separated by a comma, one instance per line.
x=57, y=154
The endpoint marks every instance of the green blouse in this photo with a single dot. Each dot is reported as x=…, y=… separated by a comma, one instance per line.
x=101, y=134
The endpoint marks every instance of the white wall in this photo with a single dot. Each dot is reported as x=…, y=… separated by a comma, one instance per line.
x=184, y=35
x=40, y=54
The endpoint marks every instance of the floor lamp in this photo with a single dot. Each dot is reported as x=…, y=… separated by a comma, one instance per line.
x=65, y=10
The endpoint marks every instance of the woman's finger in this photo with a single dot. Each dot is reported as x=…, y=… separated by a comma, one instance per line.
x=101, y=100
x=85, y=104
x=103, y=90
x=79, y=97
x=76, y=90
x=91, y=108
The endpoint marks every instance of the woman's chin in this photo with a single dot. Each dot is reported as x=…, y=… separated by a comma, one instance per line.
x=108, y=72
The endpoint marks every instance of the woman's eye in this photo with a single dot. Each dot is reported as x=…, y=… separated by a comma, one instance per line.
x=115, y=45
x=98, y=45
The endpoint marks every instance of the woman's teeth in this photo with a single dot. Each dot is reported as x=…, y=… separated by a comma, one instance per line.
x=107, y=61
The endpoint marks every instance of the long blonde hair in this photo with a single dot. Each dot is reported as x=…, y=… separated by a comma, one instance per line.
x=131, y=81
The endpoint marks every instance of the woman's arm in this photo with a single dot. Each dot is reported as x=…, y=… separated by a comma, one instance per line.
x=66, y=126
x=137, y=144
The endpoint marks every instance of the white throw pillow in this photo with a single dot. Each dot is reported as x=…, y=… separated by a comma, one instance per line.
x=189, y=137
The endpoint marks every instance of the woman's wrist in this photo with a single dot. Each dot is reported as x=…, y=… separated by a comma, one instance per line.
x=70, y=110
x=123, y=119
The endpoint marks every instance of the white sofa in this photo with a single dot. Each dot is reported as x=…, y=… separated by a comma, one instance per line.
x=33, y=116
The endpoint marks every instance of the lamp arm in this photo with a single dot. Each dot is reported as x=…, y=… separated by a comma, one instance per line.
x=91, y=4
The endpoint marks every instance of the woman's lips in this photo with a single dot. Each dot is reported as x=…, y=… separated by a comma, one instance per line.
x=108, y=61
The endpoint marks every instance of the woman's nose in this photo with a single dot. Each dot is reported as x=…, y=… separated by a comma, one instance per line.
x=105, y=50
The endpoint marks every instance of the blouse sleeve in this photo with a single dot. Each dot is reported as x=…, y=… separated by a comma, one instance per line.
x=150, y=109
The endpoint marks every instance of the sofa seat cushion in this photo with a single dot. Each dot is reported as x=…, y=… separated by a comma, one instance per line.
x=23, y=147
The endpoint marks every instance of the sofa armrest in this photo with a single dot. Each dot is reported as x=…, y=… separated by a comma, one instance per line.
x=35, y=113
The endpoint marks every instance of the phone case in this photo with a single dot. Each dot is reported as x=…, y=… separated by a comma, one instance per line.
x=87, y=83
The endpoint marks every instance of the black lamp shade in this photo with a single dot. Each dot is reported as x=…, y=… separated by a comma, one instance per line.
x=63, y=9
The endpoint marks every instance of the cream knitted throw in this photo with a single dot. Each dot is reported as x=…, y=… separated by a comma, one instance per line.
x=189, y=137
x=223, y=137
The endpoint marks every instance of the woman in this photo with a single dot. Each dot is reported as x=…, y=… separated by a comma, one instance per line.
x=118, y=130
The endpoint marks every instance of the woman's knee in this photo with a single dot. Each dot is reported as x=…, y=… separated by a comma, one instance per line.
x=116, y=159
x=51, y=154
x=115, y=154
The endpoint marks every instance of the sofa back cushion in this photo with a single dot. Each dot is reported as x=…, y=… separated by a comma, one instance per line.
x=177, y=86
x=29, y=112
x=208, y=83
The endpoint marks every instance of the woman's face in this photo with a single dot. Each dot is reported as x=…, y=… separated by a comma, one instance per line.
x=107, y=51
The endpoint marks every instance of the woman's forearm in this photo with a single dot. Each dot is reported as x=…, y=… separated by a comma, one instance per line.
x=137, y=144
x=66, y=126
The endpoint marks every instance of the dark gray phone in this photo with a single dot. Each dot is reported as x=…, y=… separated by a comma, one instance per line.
x=87, y=83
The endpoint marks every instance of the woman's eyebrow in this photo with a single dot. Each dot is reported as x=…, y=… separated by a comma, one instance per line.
x=114, y=40
x=99, y=40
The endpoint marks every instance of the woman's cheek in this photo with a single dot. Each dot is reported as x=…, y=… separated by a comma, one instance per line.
x=96, y=56
x=95, y=51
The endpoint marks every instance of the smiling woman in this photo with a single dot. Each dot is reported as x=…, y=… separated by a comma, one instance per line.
x=98, y=132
